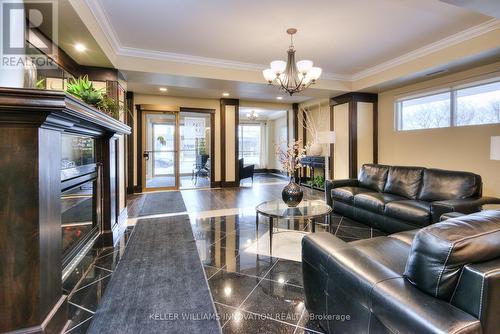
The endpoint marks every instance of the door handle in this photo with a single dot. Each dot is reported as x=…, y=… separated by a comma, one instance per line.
x=146, y=155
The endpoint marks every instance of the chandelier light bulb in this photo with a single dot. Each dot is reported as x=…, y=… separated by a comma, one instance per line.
x=304, y=66
x=269, y=75
x=278, y=66
x=314, y=73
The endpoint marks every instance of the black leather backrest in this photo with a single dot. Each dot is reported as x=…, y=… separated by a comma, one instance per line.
x=478, y=293
x=440, y=251
x=441, y=185
x=373, y=176
x=404, y=181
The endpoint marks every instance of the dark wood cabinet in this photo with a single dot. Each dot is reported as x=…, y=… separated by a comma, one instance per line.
x=31, y=126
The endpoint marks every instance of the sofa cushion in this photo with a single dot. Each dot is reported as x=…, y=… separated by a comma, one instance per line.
x=417, y=212
x=441, y=185
x=346, y=194
x=404, y=181
x=374, y=202
x=406, y=236
x=373, y=176
x=440, y=251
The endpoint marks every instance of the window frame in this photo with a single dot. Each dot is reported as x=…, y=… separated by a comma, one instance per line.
x=398, y=103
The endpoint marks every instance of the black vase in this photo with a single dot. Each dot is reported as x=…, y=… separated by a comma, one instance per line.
x=292, y=194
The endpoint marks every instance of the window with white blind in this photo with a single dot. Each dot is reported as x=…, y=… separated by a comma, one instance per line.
x=458, y=106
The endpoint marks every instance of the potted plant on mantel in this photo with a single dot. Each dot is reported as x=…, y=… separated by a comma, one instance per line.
x=83, y=89
x=290, y=158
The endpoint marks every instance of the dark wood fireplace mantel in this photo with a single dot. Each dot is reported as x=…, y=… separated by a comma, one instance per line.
x=31, y=124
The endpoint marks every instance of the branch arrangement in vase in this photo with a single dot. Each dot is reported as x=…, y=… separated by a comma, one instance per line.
x=290, y=156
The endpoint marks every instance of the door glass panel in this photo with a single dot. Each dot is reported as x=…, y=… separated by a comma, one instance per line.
x=160, y=151
x=195, y=155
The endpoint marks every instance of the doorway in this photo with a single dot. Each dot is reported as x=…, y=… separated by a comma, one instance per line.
x=176, y=148
x=161, y=151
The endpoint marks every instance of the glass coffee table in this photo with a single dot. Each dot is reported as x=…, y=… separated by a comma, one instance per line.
x=307, y=210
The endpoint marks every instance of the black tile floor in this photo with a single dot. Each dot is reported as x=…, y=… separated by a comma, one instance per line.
x=252, y=293
x=256, y=293
x=86, y=287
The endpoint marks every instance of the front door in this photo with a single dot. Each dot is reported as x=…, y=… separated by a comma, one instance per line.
x=161, y=151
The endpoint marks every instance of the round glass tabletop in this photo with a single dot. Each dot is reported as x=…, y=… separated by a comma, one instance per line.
x=305, y=209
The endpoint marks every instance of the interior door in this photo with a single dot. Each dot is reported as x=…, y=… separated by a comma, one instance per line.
x=161, y=151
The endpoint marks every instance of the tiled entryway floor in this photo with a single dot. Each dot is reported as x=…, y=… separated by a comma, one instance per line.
x=255, y=292
x=86, y=287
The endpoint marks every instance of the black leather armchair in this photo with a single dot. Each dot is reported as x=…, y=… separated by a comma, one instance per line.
x=444, y=278
x=396, y=198
x=245, y=171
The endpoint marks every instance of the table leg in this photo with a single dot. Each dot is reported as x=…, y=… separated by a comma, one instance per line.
x=270, y=235
x=257, y=224
x=313, y=226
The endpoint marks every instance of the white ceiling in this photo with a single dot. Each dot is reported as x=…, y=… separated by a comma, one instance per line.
x=204, y=48
x=343, y=37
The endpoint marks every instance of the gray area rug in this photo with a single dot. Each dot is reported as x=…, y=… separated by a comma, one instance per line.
x=159, y=285
x=163, y=202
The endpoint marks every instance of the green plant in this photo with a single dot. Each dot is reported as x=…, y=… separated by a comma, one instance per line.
x=40, y=84
x=83, y=89
x=109, y=106
x=317, y=181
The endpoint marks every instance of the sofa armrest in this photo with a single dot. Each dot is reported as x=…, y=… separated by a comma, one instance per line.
x=401, y=307
x=467, y=205
x=477, y=293
x=332, y=184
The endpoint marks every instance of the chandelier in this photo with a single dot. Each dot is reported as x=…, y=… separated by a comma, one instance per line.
x=290, y=76
x=252, y=115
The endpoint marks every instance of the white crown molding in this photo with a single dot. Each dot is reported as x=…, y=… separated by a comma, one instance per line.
x=444, y=43
x=104, y=23
x=99, y=13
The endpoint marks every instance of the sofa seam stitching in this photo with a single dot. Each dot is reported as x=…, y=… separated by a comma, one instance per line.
x=464, y=327
x=458, y=283
x=444, y=267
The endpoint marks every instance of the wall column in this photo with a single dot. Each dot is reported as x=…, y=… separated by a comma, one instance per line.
x=229, y=109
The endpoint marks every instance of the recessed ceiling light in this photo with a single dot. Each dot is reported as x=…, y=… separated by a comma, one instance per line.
x=163, y=89
x=226, y=94
x=279, y=98
x=80, y=47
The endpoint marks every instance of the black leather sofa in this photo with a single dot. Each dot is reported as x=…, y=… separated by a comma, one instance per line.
x=396, y=198
x=444, y=278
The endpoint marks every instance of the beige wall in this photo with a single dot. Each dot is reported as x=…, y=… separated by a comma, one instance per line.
x=319, y=109
x=458, y=148
x=276, y=127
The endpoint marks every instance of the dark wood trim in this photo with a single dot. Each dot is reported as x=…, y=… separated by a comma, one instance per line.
x=332, y=146
x=129, y=143
x=198, y=110
x=215, y=184
x=375, y=132
x=230, y=184
x=223, y=104
x=138, y=122
x=68, y=64
x=355, y=97
x=353, y=139
x=295, y=108
x=287, y=127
